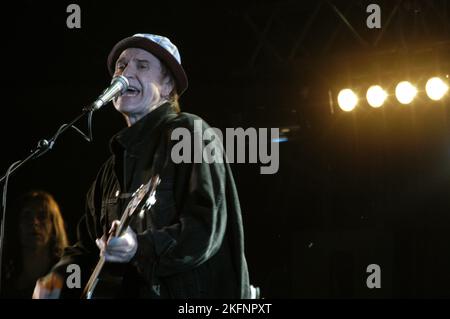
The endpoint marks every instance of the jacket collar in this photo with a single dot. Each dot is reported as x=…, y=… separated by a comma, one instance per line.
x=130, y=138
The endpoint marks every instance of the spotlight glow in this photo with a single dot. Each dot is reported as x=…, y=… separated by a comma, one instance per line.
x=436, y=88
x=405, y=92
x=347, y=100
x=376, y=96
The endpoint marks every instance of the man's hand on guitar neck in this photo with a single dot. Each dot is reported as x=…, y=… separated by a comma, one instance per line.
x=118, y=249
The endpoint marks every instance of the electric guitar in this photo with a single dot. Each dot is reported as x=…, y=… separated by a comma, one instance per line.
x=142, y=199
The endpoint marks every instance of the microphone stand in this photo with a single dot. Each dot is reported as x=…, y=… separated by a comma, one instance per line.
x=42, y=147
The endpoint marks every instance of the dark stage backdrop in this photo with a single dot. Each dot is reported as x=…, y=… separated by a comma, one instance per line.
x=353, y=189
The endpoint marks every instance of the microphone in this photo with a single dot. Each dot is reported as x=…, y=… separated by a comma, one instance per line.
x=119, y=85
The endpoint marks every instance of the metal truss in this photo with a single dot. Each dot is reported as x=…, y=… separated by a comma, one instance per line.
x=324, y=27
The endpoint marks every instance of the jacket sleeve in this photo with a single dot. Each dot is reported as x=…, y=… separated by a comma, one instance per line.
x=197, y=232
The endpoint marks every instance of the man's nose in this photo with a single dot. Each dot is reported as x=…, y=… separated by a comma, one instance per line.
x=128, y=71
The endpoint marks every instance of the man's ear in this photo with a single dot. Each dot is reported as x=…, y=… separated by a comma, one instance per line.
x=168, y=85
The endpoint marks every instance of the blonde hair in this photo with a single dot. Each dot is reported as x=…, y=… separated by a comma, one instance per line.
x=43, y=201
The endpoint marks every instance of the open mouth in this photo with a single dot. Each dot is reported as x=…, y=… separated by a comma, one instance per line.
x=132, y=91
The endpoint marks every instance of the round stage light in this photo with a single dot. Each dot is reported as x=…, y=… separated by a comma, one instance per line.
x=376, y=96
x=405, y=92
x=347, y=100
x=436, y=88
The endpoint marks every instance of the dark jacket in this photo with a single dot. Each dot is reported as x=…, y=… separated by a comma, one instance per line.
x=191, y=243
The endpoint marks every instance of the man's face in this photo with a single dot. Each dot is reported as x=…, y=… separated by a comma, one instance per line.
x=147, y=83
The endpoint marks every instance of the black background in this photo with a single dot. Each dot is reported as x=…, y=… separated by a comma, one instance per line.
x=366, y=187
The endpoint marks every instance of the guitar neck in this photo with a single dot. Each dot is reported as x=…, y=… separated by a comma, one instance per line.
x=90, y=286
x=123, y=223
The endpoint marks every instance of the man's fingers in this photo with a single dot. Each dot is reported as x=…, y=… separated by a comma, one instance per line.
x=126, y=238
x=100, y=244
x=116, y=257
x=114, y=226
x=118, y=244
x=119, y=249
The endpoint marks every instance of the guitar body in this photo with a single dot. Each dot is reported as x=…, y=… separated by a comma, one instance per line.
x=108, y=284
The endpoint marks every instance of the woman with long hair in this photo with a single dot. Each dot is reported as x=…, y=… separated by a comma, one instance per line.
x=35, y=240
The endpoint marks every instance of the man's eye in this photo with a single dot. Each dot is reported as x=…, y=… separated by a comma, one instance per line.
x=143, y=66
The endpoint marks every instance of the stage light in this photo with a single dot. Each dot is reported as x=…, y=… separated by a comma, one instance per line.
x=347, y=100
x=436, y=88
x=376, y=96
x=405, y=92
